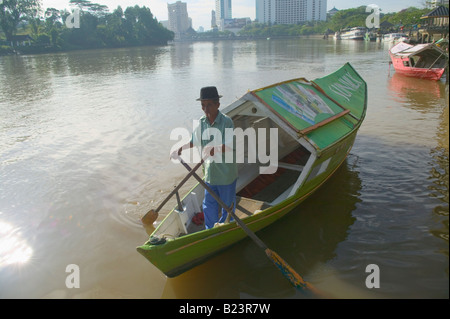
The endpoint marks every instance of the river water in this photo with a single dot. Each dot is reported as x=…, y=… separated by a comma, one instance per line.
x=84, y=153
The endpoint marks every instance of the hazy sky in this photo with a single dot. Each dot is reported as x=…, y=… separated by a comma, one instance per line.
x=200, y=10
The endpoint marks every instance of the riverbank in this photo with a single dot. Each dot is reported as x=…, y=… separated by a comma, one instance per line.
x=248, y=38
x=31, y=49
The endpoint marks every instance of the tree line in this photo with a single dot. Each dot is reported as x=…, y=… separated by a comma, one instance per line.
x=89, y=25
x=355, y=17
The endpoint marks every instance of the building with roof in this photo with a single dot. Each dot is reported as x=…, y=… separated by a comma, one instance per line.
x=332, y=12
x=434, y=25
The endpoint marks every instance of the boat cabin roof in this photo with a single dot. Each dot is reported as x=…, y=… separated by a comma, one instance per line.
x=405, y=49
x=322, y=111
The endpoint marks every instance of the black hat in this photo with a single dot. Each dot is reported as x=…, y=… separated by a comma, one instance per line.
x=209, y=93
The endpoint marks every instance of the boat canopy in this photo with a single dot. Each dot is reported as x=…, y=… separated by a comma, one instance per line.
x=321, y=111
x=406, y=50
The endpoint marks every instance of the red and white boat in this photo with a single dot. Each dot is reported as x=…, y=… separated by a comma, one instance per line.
x=426, y=61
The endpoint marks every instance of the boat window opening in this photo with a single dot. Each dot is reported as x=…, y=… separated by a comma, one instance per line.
x=430, y=60
x=268, y=187
x=291, y=159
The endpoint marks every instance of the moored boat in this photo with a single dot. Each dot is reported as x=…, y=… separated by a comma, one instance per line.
x=316, y=123
x=394, y=38
x=356, y=33
x=425, y=61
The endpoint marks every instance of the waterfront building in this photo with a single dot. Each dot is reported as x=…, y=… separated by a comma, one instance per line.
x=179, y=21
x=290, y=11
x=332, y=12
x=223, y=11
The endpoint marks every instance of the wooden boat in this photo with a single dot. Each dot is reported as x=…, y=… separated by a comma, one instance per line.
x=317, y=122
x=426, y=61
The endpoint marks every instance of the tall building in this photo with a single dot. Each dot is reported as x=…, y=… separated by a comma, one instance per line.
x=179, y=21
x=290, y=11
x=213, y=19
x=223, y=11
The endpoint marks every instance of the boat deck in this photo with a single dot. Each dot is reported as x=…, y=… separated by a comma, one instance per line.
x=244, y=207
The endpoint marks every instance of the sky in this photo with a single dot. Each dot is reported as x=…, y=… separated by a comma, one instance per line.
x=200, y=10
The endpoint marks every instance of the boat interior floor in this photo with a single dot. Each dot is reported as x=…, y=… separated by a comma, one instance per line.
x=264, y=190
x=268, y=187
x=244, y=207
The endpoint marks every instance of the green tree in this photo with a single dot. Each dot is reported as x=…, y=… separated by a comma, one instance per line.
x=97, y=27
x=342, y=19
x=407, y=16
x=12, y=12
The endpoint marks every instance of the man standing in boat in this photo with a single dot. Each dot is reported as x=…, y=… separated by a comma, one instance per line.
x=220, y=173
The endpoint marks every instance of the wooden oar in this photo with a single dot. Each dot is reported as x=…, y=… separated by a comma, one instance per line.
x=152, y=214
x=295, y=279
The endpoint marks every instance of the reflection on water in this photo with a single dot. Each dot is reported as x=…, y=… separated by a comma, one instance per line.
x=416, y=93
x=439, y=174
x=23, y=72
x=84, y=148
x=439, y=189
x=431, y=97
x=14, y=250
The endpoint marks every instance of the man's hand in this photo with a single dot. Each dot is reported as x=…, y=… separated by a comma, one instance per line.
x=175, y=154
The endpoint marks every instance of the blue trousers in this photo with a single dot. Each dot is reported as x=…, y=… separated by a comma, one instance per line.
x=227, y=193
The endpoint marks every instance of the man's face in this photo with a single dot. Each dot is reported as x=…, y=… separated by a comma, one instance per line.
x=211, y=108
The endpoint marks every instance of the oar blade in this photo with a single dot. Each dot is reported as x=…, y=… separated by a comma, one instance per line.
x=150, y=217
x=295, y=279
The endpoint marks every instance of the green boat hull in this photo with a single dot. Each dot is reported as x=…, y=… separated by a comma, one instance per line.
x=175, y=257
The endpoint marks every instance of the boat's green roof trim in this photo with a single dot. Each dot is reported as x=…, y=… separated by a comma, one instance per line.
x=329, y=134
x=347, y=88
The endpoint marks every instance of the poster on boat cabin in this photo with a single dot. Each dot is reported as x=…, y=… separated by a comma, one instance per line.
x=299, y=103
x=302, y=105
